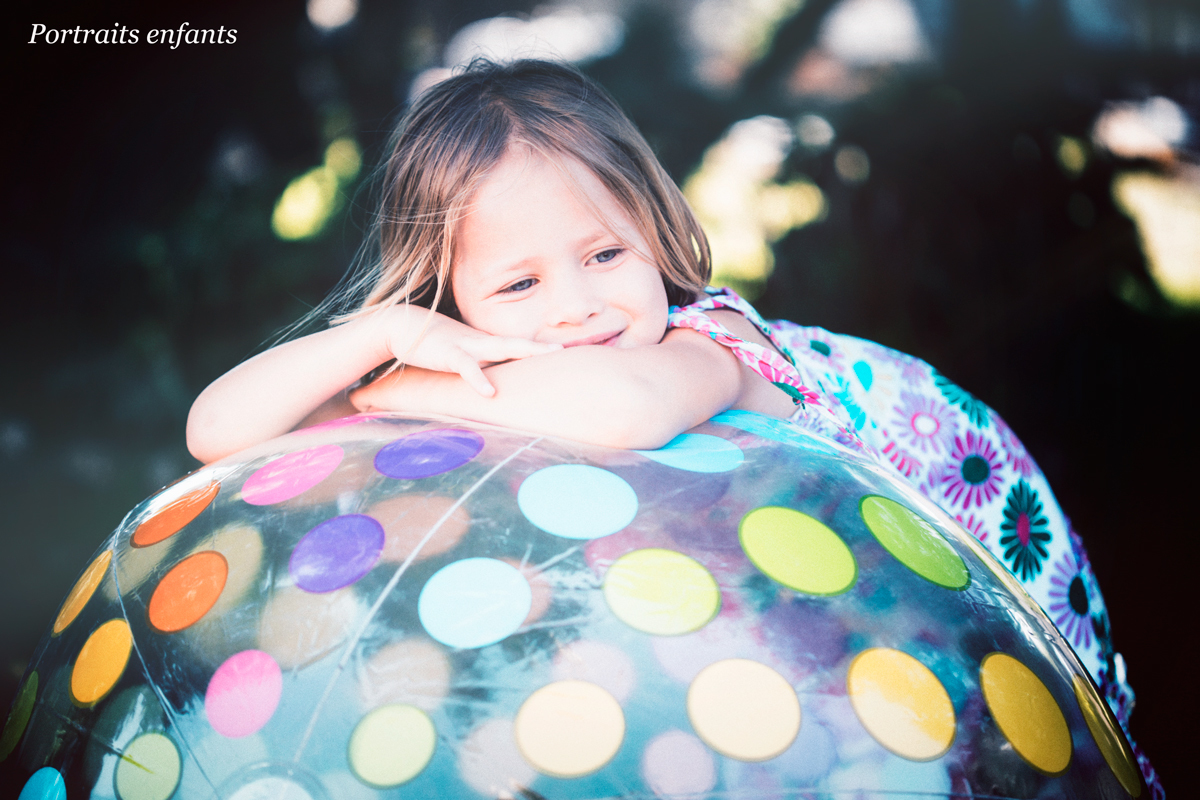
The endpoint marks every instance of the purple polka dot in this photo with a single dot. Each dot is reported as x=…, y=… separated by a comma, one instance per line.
x=291, y=475
x=336, y=553
x=428, y=453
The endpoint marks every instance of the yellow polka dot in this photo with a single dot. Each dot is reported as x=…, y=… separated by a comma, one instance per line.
x=1026, y=712
x=797, y=551
x=901, y=703
x=391, y=745
x=1108, y=736
x=101, y=661
x=81, y=592
x=569, y=728
x=743, y=709
x=661, y=592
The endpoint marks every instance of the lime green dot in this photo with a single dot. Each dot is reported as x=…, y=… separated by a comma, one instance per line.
x=661, y=592
x=18, y=718
x=797, y=551
x=149, y=768
x=914, y=542
x=391, y=745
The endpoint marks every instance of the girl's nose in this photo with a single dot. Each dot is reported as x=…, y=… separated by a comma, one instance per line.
x=575, y=299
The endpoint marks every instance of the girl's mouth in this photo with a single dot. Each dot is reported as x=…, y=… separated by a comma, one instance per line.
x=604, y=339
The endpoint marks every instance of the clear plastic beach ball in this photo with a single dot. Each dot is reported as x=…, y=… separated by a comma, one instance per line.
x=385, y=607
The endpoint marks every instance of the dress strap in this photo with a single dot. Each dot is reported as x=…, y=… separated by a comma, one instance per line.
x=781, y=370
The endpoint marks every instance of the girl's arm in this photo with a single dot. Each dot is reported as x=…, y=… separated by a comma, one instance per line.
x=638, y=398
x=305, y=380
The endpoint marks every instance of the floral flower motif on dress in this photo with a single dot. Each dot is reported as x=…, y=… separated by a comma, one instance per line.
x=1025, y=531
x=931, y=486
x=974, y=408
x=971, y=475
x=845, y=396
x=1015, y=454
x=924, y=423
x=1069, y=605
x=913, y=370
x=973, y=525
x=823, y=350
x=905, y=462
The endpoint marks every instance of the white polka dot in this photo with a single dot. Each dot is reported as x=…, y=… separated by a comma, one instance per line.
x=677, y=763
x=474, y=602
x=577, y=501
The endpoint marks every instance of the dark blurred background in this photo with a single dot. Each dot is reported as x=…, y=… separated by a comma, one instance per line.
x=1008, y=189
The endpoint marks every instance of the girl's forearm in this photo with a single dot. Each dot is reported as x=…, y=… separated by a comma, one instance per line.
x=637, y=398
x=273, y=392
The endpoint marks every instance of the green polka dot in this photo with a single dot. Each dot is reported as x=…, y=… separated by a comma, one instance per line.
x=18, y=718
x=820, y=347
x=149, y=768
x=797, y=551
x=914, y=542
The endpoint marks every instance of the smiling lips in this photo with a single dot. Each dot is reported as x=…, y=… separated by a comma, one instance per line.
x=605, y=339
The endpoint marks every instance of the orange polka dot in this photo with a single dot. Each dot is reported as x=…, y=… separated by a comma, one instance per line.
x=188, y=591
x=101, y=661
x=81, y=592
x=172, y=517
x=407, y=519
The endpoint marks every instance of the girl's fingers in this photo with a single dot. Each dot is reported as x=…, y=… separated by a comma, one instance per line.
x=469, y=369
x=494, y=349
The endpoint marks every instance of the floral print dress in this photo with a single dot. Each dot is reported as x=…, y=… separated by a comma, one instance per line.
x=952, y=448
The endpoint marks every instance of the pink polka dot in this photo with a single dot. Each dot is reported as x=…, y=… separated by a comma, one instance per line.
x=243, y=694
x=291, y=475
x=331, y=424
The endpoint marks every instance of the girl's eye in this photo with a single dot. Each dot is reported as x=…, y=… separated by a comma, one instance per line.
x=607, y=255
x=519, y=286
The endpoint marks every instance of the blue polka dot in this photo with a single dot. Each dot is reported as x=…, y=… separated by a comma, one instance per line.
x=577, y=501
x=474, y=602
x=697, y=452
x=45, y=784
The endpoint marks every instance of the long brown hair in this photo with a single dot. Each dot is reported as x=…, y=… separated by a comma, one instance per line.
x=458, y=130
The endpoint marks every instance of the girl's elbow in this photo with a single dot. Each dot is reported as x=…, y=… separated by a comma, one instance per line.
x=635, y=417
x=202, y=441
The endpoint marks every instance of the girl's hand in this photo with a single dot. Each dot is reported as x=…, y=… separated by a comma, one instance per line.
x=418, y=338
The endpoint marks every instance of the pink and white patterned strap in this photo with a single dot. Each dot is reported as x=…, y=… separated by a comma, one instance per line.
x=812, y=411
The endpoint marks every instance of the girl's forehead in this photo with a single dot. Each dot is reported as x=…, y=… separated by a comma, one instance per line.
x=524, y=167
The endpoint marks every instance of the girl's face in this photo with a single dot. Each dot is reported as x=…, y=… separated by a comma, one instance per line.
x=533, y=260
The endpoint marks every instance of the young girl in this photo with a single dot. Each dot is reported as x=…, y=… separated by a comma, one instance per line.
x=539, y=270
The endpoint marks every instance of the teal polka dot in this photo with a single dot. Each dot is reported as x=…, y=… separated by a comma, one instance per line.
x=697, y=452
x=863, y=370
x=820, y=347
x=474, y=602
x=577, y=501
x=45, y=784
